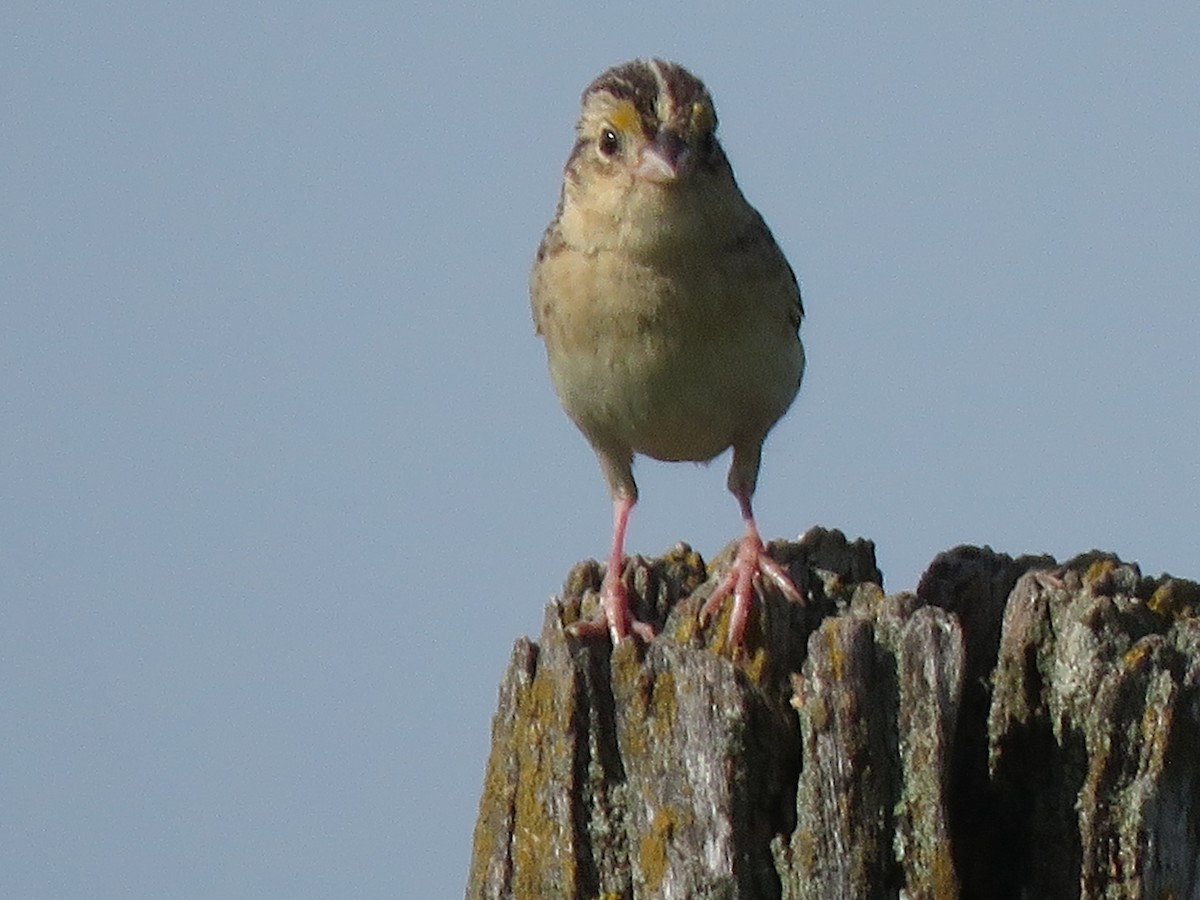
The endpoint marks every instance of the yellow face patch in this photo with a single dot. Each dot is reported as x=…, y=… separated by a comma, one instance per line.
x=702, y=118
x=624, y=117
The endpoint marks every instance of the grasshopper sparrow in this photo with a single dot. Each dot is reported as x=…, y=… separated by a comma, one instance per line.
x=670, y=316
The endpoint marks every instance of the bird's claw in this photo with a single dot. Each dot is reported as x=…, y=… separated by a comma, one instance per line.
x=750, y=566
x=615, y=618
x=599, y=626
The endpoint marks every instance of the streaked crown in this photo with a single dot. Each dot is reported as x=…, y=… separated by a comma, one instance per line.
x=649, y=95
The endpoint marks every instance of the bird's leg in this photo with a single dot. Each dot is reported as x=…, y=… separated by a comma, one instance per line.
x=615, y=618
x=751, y=562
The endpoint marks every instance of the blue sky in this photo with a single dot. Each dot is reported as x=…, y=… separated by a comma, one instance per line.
x=282, y=475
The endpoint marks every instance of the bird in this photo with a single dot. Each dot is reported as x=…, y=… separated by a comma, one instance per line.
x=669, y=314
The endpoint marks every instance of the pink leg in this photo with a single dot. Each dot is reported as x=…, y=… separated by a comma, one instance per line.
x=751, y=562
x=616, y=618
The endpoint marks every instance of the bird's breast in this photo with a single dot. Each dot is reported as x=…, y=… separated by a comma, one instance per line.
x=674, y=362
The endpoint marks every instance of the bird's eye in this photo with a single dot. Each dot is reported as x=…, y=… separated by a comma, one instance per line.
x=609, y=143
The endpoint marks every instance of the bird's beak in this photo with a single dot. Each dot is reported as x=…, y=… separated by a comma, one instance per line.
x=665, y=159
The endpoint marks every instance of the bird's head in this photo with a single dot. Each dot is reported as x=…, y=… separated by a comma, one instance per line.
x=647, y=165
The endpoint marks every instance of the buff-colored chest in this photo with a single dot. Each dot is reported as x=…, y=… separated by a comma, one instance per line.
x=676, y=360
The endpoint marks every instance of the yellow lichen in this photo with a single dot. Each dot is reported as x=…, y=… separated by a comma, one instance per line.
x=543, y=741
x=1175, y=598
x=1098, y=570
x=1136, y=655
x=662, y=699
x=654, y=847
x=944, y=882
x=837, y=659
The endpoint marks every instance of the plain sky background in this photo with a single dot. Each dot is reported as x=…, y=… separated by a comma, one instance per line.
x=281, y=473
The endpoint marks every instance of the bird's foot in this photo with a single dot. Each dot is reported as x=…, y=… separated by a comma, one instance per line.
x=615, y=617
x=751, y=563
